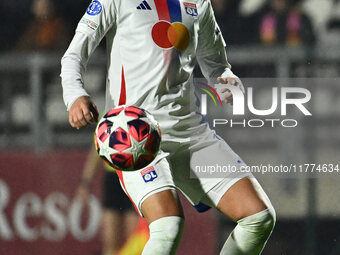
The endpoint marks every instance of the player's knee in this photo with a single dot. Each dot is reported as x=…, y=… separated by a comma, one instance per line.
x=262, y=222
x=167, y=228
x=268, y=221
x=165, y=235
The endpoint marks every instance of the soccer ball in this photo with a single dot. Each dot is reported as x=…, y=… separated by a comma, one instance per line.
x=127, y=138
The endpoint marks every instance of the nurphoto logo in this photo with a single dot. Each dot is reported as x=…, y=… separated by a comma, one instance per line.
x=281, y=97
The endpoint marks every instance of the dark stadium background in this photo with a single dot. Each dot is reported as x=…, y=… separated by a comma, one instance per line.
x=41, y=156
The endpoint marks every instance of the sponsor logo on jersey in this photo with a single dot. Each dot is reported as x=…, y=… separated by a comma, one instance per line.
x=190, y=9
x=167, y=35
x=89, y=23
x=144, y=6
x=149, y=174
x=95, y=8
x=170, y=32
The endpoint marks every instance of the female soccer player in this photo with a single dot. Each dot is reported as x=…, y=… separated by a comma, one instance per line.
x=152, y=48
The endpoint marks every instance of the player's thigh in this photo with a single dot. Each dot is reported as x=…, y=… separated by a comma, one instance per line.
x=162, y=204
x=244, y=198
x=152, y=190
x=204, y=166
x=227, y=187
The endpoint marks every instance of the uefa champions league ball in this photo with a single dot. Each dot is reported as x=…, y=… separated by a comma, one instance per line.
x=127, y=138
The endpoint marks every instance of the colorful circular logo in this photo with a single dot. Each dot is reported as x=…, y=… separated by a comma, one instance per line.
x=94, y=8
x=167, y=35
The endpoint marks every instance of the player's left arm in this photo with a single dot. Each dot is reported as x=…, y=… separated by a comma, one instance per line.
x=211, y=53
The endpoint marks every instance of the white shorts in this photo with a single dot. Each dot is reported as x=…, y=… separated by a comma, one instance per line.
x=175, y=166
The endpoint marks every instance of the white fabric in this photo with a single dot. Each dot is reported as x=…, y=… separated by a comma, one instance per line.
x=165, y=235
x=251, y=234
x=175, y=169
x=157, y=79
x=213, y=196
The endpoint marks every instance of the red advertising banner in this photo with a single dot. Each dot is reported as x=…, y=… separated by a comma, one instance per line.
x=38, y=214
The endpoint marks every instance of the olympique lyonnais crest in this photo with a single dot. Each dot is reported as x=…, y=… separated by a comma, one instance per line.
x=149, y=174
x=190, y=9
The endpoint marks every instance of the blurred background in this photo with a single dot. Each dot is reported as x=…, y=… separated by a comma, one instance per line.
x=41, y=156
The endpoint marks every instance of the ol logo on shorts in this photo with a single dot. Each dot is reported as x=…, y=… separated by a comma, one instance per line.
x=94, y=8
x=149, y=174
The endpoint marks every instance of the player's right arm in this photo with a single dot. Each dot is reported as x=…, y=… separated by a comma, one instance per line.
x=99, y=18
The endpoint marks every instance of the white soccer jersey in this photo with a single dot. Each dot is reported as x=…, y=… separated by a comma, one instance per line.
x=152, y=47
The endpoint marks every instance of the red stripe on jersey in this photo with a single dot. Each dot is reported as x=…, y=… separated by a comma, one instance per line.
x=162, y=10
x=120, y=175
x=122, y=98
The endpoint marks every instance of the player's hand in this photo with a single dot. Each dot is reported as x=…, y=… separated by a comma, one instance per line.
x=83, y=112
x=234, y=81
